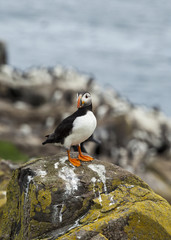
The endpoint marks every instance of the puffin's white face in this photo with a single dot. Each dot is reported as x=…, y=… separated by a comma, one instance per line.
x=83, y=100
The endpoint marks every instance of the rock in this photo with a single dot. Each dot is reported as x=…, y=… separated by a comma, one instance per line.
x=48, y=198
x=3, y=53
x=158, y=171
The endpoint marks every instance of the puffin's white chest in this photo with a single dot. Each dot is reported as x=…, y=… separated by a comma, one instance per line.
x=83, y=128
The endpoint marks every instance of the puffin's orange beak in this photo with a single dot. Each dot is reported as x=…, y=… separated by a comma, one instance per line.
x=79, y=102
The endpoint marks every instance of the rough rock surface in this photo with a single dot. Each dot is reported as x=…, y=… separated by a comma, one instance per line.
x=32, y=103
x=48, y=198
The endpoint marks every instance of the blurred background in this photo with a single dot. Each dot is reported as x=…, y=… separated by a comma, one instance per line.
x=118, y=50
x=125, y=44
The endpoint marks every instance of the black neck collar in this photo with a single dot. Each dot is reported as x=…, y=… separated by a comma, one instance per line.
x=85, y=109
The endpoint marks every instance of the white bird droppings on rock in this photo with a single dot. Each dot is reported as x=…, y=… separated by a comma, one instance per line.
x=130, y=186
x=60, y=213
x=57, y=213
x=112, y=201
x=29, y=179
x=93, y=180
x=70, y=178
x=56, y=165
x=63, y=159
x=41, y=173
x=100, y=198
x=100, y=170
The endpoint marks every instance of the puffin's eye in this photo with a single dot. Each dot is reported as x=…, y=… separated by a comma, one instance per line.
x=86, y=96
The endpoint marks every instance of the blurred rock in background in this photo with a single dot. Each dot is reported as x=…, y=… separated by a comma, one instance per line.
x=32, y=103
x=6, y=168
x=3, y=53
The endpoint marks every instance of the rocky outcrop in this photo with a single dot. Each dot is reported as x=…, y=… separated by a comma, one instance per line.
x=48, y=198
x=32, y=103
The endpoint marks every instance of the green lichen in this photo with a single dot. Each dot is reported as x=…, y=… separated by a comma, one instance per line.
x=39, y=202
x=11, y=207
x=96, y=187
x=44, y=198
x=138, y=207
x=101, y=237
x=21, y=216
x=4, y=184
x=37, y=228
x=34, y=201
x=149, y=220
x=2, y=201
x=54, y=189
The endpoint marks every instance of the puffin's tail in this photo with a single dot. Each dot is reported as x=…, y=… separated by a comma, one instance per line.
x=48, y=140
x=43, y=143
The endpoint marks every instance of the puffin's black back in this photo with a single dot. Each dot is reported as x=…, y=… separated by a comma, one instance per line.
x=65, y=127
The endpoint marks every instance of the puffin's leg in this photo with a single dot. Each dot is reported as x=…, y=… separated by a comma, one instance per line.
x=83, y=157
x=74, y=161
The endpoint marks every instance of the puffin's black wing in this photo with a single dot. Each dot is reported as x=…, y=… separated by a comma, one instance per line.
x=62, y=130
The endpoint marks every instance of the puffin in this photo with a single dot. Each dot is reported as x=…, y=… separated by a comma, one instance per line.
x=75, y=129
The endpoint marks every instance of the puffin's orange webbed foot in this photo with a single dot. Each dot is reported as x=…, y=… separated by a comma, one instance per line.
x=83, y=157
x=74, y=161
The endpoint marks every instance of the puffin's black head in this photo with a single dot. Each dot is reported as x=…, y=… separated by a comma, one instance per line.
x=83, y=100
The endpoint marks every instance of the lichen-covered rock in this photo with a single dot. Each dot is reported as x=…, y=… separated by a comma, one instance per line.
x=48, y=198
